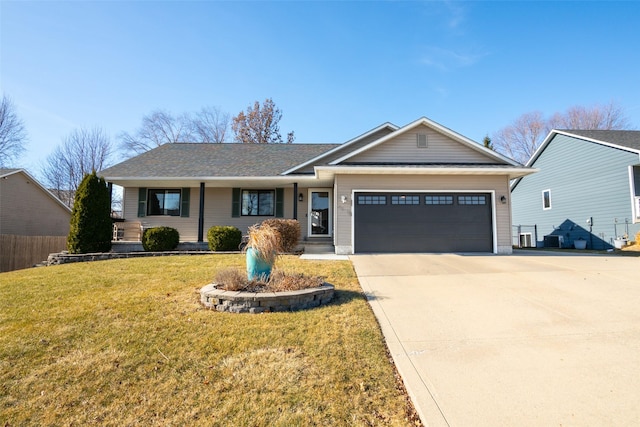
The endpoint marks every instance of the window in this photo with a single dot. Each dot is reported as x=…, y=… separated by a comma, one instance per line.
x=258, y=202
x=372, y=200
x=472, y=200
x=546, y=199
x=438, y=200
x=164, y=202
x=405, y=200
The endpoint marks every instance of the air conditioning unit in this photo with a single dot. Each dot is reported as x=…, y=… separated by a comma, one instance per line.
x=552, y=241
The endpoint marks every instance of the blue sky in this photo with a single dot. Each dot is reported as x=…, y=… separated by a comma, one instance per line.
x=336, y=69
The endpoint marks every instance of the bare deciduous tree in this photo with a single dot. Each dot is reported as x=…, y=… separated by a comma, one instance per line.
x=606, y=117
x=259, y=125
x=211, y=125
x=81, y=152
x=160, y=127
x=13, y=135
x=521, y=139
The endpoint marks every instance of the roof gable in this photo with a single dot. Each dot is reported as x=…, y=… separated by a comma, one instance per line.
x=628, y=140
x=7, y=172
x=387, y=149
x=343, y=149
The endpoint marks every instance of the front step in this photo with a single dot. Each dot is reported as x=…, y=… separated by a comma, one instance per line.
x=321, y=245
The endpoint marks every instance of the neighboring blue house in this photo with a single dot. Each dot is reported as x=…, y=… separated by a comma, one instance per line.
x=587, y=187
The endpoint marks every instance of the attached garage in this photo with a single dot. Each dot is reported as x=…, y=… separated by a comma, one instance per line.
x=422, y=222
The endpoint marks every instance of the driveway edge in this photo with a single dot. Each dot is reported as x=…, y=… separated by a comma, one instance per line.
x=423, y=400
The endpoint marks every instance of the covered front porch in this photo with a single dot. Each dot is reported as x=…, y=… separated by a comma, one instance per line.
x=193, y=207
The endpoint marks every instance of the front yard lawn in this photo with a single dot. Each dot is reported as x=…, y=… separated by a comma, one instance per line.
x=126, y=342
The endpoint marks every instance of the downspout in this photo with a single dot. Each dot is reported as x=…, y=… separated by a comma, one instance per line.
x=201, y=215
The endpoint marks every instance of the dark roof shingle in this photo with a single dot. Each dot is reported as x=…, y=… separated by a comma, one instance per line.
x=216, y=160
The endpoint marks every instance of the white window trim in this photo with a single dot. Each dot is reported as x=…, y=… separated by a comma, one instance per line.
x=546, y=208
x=635, y=200
x=330, y=213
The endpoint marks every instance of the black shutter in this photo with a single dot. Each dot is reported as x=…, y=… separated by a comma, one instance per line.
x=186, y=193
x=142, y=202
x=235, y=203
x=279, y=202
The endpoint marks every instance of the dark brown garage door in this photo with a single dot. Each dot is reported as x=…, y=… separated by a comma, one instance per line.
x=422, y=222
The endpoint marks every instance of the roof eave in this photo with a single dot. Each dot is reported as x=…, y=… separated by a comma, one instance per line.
x=512, y=172
x=341, y=146
x=211, y=181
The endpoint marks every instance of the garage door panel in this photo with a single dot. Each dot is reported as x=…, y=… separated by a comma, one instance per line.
x=452, y=226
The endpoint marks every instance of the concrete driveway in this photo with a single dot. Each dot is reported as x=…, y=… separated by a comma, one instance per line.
x=520, y=340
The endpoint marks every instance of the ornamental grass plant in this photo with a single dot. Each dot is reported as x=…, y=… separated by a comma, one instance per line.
x=232, y=279
x=265, y=240
x=127, y=342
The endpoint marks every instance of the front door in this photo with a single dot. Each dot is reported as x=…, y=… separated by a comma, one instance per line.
x=320, y=222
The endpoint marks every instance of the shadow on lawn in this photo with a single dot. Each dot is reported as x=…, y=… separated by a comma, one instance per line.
x=344, y=297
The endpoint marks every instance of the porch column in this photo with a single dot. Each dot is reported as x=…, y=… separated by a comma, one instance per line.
x=295, y=200
x=201, y=215
x=110, y=188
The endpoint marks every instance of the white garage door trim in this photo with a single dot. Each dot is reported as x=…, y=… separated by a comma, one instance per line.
x=494, y=228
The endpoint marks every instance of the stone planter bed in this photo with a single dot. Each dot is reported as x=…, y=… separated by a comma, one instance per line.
x=66, y=258
x=264, y=302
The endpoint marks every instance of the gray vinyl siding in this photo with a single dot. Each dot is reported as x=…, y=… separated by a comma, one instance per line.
x=587, y=180
x=346, y=184
x=403, y=149
x=217, y=211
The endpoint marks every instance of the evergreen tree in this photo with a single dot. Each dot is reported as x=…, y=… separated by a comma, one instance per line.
x=487, y=142
x=91, y=227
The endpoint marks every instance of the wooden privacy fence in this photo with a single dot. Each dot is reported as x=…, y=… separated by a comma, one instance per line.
x=18, y=252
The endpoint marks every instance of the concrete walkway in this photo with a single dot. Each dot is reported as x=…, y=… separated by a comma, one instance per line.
x=520, y=340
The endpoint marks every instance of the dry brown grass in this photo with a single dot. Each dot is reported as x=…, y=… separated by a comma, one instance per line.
x=232, y=279
x=126, y=343
x=289, y=230
x=265, y=240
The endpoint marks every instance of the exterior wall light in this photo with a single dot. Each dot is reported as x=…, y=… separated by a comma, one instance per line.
x=503, y=199
x=301, y=197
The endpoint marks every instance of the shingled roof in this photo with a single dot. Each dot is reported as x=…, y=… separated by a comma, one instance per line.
x=623, y=138
x=216, y=160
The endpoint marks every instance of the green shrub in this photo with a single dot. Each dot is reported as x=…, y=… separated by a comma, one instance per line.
x=90, y=229
x=158, y=239
x=289, y=231
x=224, y=238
